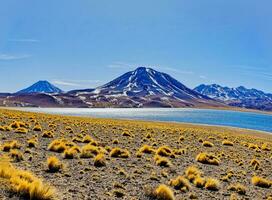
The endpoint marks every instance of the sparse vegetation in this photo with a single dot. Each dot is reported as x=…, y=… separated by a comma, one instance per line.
x=183, y=161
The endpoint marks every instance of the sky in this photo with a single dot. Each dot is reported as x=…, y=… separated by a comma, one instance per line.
x=86, y=43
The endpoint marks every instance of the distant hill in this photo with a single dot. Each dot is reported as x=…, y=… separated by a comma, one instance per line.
x=40, y=87
x=240, y=96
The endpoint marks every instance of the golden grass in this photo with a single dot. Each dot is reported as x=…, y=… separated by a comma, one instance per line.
x=239, y=188
x=180, y=183
x=261, y=182
x=54, y=164
x=24, y=183
x=100, y=160
x=164, y=151
x=227, y=143
x=162, y=161
x=21, y=130
x=10, y=145
x=163, y=192
x=119, y=153
x=212, y=184
x=207, y=158
x=207, y=144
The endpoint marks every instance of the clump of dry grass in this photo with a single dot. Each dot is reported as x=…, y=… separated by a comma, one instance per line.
x=10, y=145
x=146, y=149
x=265, y=147
x=162, y=161
x=37, y=127
x=163, y=192
x=207, y=144
x=180, y=183
x=261, y=182
x=100, y=160
x=164, y=151
x=199, y=182
x=21, y=130
x=25, y=184
x=239, y=188
x=70, y=153
x=54, y=164
x=227, y=143
x=48, y=134
x=212, y=184
x=192, y=173
x=32, y=142
x=88, y=151
x=57, y=146
x=207, y=158
x=16, y=155
x=119, y=153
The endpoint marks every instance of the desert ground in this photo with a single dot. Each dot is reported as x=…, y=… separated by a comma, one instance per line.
x=59, y=157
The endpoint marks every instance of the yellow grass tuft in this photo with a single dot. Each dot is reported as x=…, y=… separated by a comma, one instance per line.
x=207, y=144
x=54, y=164
x=119, y=153
x=100, y=160
x=25, y=184
x=48, y=134
x=88, y=151
x=227, y=143
x=163, y=192
x=162, y=161
x=164, y=151
x=16, y=155
x=192, y=173
x=10, y=145
x=212, y=184
x=261, y=182
x=21, y=130
x=239, y=188
x=206, y=158
x=180, y=183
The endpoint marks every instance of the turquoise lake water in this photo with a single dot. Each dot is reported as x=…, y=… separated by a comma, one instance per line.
x=249, y=120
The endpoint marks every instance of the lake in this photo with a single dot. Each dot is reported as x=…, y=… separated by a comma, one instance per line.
x=249, y=120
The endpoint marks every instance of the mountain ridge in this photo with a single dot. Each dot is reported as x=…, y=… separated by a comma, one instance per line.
x=239, y=96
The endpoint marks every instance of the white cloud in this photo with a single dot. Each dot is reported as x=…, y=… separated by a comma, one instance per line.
x=23, y=40
x=65, y=83
x=6, y=57
x=77, y=83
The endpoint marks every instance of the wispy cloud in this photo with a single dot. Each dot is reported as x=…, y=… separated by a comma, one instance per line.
x=77, y=83
x=23, y=40
x=64, y=83
x=6, y=57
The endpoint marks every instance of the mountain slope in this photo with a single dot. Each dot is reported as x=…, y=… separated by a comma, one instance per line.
x=40, y=87
x=146, y=87
x=146, y=81
x=240, y=96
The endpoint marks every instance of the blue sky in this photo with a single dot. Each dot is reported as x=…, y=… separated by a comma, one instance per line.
x=85, y=43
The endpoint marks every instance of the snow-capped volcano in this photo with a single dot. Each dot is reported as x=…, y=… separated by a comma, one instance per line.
x=40, y=87
x=144, y=82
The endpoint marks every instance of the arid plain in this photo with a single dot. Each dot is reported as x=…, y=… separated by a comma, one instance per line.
x=59, y=157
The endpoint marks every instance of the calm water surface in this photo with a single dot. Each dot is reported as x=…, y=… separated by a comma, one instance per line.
x=247, y=120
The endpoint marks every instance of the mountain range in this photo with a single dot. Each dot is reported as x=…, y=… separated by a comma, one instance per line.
x=143, y=87
x=239, y=96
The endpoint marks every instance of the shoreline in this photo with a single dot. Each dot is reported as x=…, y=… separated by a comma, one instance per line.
x=244, y=131
x=234, y=109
